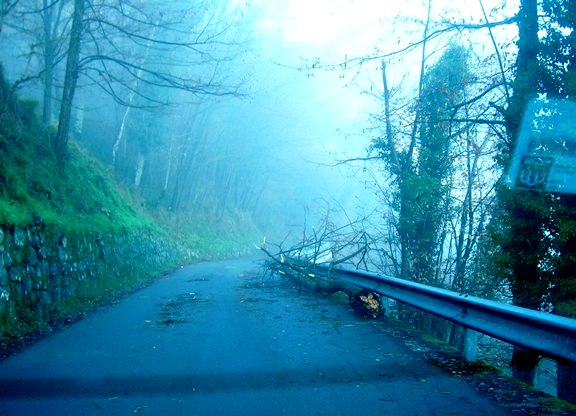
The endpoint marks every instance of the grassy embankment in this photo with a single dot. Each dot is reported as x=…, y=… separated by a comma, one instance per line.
x=80, y=197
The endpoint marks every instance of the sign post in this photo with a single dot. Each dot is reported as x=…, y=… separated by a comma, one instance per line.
x=545, y=155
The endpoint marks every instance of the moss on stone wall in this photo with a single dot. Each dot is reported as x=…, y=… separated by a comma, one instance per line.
x=47, y=275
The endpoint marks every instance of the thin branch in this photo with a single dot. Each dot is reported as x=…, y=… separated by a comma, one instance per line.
x=497, y=51
x=361, y=60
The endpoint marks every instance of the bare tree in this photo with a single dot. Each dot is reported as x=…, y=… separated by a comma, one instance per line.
x=52, y=15
x=437, y=156
x=131, y=49
x=6, y=6
x=38, y=34
x=70, y=79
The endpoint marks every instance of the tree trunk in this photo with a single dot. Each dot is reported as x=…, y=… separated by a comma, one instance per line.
x=458, y=283
x=132, y=97
x=140, y=164
x=525, y=225
x=70, y=80
x=48, y=63
x=527, y=286
x=120, y=135
x=564, y=291
x=168, y=166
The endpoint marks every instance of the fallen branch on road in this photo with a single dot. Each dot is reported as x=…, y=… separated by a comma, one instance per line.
x=297, y=263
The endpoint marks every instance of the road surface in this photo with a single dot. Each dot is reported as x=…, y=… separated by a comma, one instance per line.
x=220, y=339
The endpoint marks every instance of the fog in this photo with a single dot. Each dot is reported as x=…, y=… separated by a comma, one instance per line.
x=364, y=133
x=315, y=88
x=282, y=93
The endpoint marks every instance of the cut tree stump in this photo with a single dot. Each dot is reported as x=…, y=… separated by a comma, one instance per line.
x=367, y=304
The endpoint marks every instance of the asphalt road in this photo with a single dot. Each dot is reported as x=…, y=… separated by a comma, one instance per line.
x=220, y=339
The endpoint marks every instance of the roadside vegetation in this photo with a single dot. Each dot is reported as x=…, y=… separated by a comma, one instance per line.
x=77, y=195
x=80, y=197
x=81, y=193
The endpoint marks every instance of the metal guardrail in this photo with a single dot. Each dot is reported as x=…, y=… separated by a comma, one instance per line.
x=552, y=335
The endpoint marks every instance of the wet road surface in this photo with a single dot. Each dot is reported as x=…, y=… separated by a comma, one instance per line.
x=220, y=339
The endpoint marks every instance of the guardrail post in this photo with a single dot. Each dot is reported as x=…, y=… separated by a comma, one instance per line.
x=470, y=345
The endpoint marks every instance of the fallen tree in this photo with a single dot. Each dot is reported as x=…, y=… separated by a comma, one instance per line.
x=329, y=246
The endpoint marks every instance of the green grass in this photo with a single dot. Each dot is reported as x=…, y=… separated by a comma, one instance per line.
x=234, y=234
x=79, y=197
x=76, y=195
x=81, y=194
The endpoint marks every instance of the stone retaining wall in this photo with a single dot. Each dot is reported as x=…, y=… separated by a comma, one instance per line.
x=40, y=266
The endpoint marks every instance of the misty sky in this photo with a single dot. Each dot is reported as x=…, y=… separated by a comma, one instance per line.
x=318, y=115
x=295, y=121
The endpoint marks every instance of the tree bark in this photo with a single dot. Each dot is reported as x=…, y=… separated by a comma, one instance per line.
x=525, y=225
x=70, y=79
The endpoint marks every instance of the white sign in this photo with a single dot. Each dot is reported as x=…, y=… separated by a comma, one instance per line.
x=545, y=154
